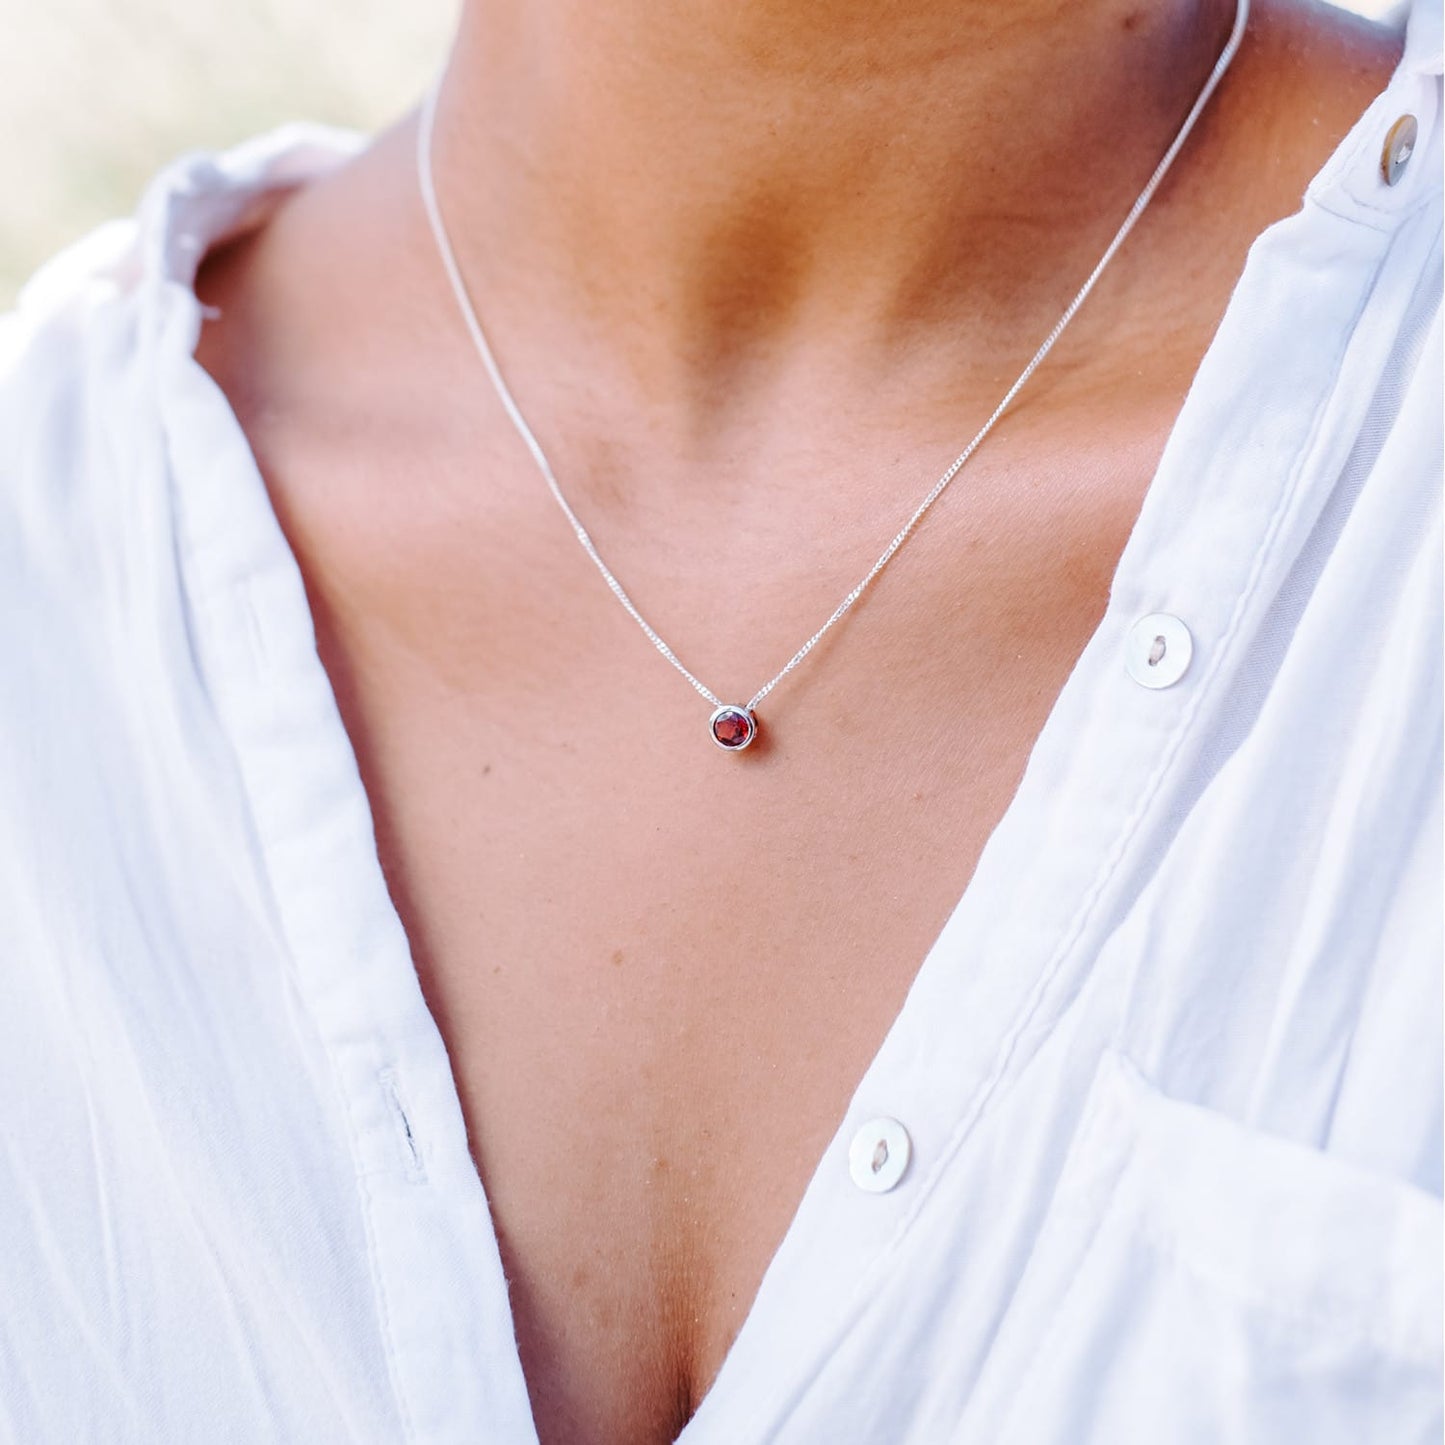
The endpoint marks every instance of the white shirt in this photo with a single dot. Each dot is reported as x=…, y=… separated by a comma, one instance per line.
x=1165, y=1159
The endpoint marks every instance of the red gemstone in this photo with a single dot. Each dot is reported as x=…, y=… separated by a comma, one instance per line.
x=733, y=727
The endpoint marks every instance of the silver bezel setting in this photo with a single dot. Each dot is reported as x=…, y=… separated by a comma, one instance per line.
x=729, y=709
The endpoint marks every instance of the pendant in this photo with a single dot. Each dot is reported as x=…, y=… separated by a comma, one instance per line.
x=733, y=728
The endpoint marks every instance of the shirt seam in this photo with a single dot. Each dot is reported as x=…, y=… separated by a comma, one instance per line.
x=167, y=290
x=1183, y=727
x=978, y=1106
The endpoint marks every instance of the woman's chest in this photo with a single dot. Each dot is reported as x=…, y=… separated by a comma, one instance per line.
x=676, y=987
x=661, y=971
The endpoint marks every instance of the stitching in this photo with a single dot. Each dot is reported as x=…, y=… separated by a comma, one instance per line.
x=378, y=1280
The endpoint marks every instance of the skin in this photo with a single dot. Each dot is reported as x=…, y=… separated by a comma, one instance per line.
x=756, y=272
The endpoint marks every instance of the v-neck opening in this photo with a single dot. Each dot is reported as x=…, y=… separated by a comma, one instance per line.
x=251, y=601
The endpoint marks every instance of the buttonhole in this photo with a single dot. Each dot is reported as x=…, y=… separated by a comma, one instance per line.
x=1156, y=652
x=880, y=1155
x=411, y=1150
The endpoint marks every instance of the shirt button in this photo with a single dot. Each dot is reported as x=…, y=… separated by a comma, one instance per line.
x=1158, y=650
x=878, y=1155
x=1399, y=147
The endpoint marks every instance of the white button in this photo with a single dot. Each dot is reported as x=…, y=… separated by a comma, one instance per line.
x=879, y=1154
x=1158, y=650
x=1398, y=148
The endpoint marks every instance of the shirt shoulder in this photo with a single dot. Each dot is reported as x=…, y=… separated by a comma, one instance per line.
x=86, y=352
x=189, y=205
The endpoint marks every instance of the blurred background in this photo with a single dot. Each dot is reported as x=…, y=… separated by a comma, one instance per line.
x=95, y=95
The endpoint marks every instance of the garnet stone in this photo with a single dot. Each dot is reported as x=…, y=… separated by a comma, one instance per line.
x=733, y=728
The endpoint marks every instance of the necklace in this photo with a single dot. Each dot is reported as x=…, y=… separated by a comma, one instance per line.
x=733, y=726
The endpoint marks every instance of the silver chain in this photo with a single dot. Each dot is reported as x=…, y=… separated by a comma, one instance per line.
x=469, y=316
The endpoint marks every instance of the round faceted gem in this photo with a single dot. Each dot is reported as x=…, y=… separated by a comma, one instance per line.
x=733, y=728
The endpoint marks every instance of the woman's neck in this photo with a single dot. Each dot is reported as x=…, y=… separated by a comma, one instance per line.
x=705, y=181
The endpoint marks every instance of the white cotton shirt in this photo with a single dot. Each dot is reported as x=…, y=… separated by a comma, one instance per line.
x=1152, y=1152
